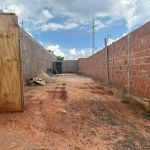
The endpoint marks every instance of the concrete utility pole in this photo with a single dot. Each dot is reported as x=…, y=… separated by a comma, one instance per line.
x=128, y=65
x=106, y=52
x=22, y=25
x=93, y=38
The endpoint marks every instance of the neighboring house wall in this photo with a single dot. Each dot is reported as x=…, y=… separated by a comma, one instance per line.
x=35, y=58
x=69, y=66
x=128, y=63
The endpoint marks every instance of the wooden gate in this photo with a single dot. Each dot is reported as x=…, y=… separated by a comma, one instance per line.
x=11, y=88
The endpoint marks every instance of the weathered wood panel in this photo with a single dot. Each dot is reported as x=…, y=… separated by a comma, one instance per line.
x=11, y=94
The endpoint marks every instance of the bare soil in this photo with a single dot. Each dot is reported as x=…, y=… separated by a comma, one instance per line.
x=75, y=113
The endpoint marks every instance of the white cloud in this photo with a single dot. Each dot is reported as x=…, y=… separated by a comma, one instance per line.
x=83, y=28
x=82, y=52
x=56, y=50
x=47, y=14
x=72, y=51
x=99, y=24
x=124, y=34
x=36, y=14
x=56, y=26
x=123, y=9
x=32, y=14
x=70, y=54
x=41, y=43
x=29, y=33
x=110, y=41
x=75, y=54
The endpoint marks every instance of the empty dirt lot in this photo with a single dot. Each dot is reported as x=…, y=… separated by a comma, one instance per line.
x=75, y=113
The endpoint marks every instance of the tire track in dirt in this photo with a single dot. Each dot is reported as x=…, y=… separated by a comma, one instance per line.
x=86, y=117
x=59, y=92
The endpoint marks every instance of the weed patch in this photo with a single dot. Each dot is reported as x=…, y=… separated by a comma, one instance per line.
x=146, y=116
x=125, y=101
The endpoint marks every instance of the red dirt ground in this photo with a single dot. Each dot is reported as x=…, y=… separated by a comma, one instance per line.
x=75, y=113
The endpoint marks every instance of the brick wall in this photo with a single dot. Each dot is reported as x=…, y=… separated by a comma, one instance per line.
x=140, y=61
x=120, y=49
x=101, y=68
x=128, y=61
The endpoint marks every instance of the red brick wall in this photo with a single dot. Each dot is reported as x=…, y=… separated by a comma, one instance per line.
x=132, y=50
x=83, y=65
x=120, y=49
x=140, y=61
x=110, y=64
x=101, y=69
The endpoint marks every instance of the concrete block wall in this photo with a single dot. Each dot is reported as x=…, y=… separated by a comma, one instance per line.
x=34, y=57
x=128, y=62
x=69, y=66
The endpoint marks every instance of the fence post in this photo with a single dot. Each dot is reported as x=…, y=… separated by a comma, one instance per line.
x=97, y=66
x=106, y=51
x=113, y=63
x=128, y=65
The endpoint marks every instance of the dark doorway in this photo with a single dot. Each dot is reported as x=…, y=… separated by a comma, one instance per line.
x=57, y=67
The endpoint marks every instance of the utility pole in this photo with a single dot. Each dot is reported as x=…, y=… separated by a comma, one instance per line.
x=22, y=25
x=106, y=53
x=93, y=38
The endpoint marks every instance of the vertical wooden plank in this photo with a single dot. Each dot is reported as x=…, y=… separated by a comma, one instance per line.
x=11, y=89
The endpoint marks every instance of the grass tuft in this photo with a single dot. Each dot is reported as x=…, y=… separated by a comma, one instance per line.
x=125, y=101
x=146, y=116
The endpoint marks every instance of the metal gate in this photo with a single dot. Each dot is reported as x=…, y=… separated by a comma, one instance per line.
x=57, y=67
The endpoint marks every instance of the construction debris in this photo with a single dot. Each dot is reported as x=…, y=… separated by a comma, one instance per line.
x=63, y=111
x=45, y=77
x=35, y=80
x=56, y=71
x=49, y=72
x=145, y=99
x=42, y=79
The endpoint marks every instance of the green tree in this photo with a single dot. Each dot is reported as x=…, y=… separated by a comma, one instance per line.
x=60, y=58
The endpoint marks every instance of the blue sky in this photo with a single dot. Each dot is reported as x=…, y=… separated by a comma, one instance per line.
x=65, y=26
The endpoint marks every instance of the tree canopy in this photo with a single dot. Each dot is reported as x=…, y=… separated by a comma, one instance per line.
x=60, y=58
